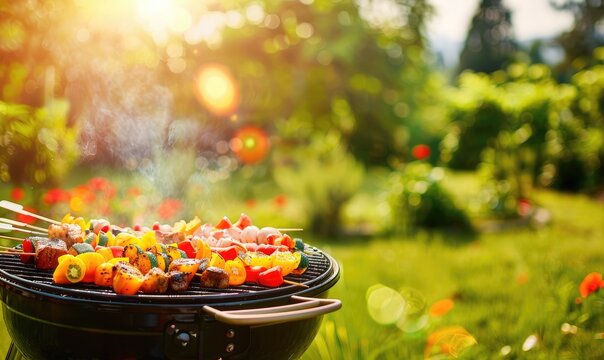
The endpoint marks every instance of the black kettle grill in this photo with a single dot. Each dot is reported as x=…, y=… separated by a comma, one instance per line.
x=83, y=321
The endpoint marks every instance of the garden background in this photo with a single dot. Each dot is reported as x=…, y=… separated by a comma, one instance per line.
x=463, y=202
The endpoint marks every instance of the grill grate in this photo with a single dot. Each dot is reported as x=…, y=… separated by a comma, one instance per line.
x=26, y=275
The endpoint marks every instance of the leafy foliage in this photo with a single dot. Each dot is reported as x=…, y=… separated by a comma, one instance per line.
x=323, y=176
x=38, y=147
x=419, y=200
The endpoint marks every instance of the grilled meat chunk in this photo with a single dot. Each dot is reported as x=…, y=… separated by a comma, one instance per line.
x=48, y=252
x=214, y=277
x=156, y=282
x=70, y=233
x=178, y=281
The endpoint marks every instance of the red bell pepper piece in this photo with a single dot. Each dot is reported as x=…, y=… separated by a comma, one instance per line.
x=227, y=253
x=243, y=222
x=271, y=277
x=188, y=248
x=118, y=251
x=252, y=273
x=28, y=247
x=285, y=240
x=224, y=223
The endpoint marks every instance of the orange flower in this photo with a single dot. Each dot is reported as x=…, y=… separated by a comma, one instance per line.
x=441, y=307
x=590, y=284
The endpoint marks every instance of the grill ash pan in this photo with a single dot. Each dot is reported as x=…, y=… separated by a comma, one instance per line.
x=81, y=321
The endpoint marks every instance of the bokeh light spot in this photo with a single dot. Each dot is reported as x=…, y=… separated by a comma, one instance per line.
x=216, y=89
x=250, y=144
x=385, y=305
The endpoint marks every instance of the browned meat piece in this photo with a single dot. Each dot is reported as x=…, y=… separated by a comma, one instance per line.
x=169, y=237
x=48, y=253
x=156, y=282
x=214, y=277
x=178, y=281
x=70, y=233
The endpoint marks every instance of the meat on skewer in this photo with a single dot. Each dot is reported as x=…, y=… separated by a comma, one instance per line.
x=70, y=233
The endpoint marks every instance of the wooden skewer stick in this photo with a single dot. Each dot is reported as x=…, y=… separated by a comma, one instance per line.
x=16, y=253
x=8, y=227
x=10, y=249
x=289, y=229
x=19, y=209
x=11, y=238
x=295, y=283
x=22, y=224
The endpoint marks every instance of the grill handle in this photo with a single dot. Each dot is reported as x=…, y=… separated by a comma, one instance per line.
x=304, y=308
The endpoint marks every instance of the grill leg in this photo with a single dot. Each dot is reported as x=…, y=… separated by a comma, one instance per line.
x=14, y=353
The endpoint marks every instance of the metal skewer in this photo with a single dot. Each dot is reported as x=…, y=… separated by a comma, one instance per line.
x=22, y=224
x=19, y=209
x=8, y=228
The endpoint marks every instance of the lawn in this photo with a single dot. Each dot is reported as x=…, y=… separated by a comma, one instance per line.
x=505, y=286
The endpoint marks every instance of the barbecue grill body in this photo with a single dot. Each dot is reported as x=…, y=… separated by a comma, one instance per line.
x=46, y=325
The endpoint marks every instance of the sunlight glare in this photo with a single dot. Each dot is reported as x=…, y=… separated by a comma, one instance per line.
x=216, y=89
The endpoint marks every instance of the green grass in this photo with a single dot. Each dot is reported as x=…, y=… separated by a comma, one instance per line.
x=506, y=285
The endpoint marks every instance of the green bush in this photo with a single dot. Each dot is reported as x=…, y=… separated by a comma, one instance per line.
x=38, y=147
x=418, y=199
x=324, y=176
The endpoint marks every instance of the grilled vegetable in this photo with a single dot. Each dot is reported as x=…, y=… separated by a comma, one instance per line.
x=188, y=248
x=102, y=239
x=214, y=277
x=203, y=249
x=163, y=261
x=271, y=277
x=127, y=280
x=302, y=265
x=286, y=261
x=156, y=281
x=70, y=270
x=105, y=252
x=187, y=266
x=103, y=274
x=27, y=247
x=145, y=261
x=131, y=252
x=217, y=261
x=92, y=260
x=80, y=248
x=227, y=253
x=252, y=272
x=236, y=270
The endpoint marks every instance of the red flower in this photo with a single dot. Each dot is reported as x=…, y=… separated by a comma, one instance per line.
x=250, y=203
x=17, y=194
x=421, y=151
x=592, y=283
x=98, y=183
x=524, y=207
x=26, y=218
x=169, y=208
x=56, y=195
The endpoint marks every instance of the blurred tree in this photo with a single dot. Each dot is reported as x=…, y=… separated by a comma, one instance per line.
x=490, y=43
x=586, y=35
